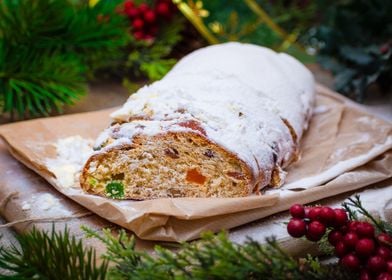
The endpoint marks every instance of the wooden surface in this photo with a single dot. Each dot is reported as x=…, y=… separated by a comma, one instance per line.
x=109, y=95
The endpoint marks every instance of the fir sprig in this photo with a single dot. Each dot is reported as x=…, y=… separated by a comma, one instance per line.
x=213, y=257
x=45, y=255
x=55, y=255
x=33, y=83
x=49, y=47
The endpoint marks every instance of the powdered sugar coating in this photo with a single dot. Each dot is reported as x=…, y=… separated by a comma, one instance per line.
x=239, y=93
x=277, y=76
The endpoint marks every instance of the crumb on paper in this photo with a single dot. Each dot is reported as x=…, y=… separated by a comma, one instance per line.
x=72, y=153
x=340, y=152
x=47, y=203
x=26, y=206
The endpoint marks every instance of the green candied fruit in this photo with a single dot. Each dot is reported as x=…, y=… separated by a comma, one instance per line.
x=92, y=181
x=115, y=190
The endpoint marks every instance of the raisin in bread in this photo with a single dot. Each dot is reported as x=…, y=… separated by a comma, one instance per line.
x=224, y=122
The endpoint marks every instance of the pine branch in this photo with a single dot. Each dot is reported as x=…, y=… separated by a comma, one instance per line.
x=99, y=34
x=49, y=47
x=33, y=83
x=65, y=26
x=214, y=257
x=44, y=255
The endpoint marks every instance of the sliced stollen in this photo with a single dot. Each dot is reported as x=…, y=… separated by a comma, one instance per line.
x=224, y=122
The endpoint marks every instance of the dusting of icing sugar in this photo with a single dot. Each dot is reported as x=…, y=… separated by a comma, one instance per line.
x=239, y=94
x=235, y=125
x=377, y=200
x=123, y=134
x=365, y=120
x=277, y=76
x=363, y=138
x=260, y=230
x=340, y=167
x=26, y=206
x=72, y=154
x=322, y=109
x=45, y=202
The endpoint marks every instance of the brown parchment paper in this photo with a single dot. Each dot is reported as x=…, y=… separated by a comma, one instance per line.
x=340, y=138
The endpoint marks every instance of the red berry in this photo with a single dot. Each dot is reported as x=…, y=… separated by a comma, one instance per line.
x=153, y=30
x=365, y=275
x=384, y=252
x=343, y=229
x=340, y=217
x=384, y=276
x=365, y=247
x=376, y=264
x=353, y=225
x=384, y=239
x=316, y=230
x=297, y=211
x=132, y=12
x=137, y=24
x=351, y=261
x=389, y=266
x=314, y=213
x=143, y=8
x=139, y=35
x=163, y=9
x=365, y=229
x=384, y=48
x=296, y=228
x=340, y=249
x=350, y=239
x=149, y=16
x=128, y=4
x=327, y=216
x=334, y=237
x=148, y=37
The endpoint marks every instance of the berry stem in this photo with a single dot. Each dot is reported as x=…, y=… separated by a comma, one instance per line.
x=356, y=203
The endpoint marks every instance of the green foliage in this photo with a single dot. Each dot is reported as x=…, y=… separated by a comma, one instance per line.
x=49, y=47
x=214, y=257
x=151, y=59
x=33, y=84
x=52, y=255
x=235, y=21
x=42, y=255
x=354, y=43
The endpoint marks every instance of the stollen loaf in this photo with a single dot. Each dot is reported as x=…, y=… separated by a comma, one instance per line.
x=224, y=122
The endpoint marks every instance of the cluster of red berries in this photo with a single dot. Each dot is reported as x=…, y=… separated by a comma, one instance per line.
x=145, y=19
x=356, y=243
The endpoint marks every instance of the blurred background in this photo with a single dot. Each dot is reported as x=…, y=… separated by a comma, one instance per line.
x=65, y=56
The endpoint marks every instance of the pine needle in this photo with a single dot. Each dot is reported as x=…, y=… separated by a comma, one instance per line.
x=48, y=48
x=54, y=255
